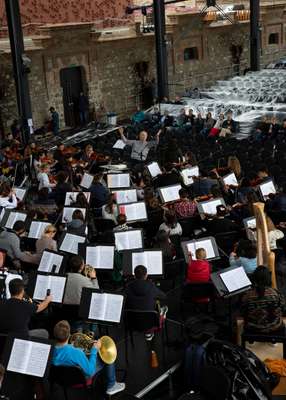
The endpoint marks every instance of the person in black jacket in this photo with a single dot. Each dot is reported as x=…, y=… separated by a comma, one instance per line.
x=221, y=223
x=142, y=294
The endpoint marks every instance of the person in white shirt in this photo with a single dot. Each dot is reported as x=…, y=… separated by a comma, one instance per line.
x=43, y=178
x=171, y=225
x=110, y=210
x=274, y=234
x=7, y=197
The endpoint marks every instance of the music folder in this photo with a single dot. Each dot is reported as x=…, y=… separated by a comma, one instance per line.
x=129, y=240
x=207, y=243
x=151, y=259
x=98, y=256
x=249, y=223
x=10, y=217
x=68, y=212
x=208, y=207
x=51, y=262
x=86, y=181
x=71, y=197
x=70, y=242
x=115, y=181
x=188, y=174
x=267, y=188
x=125, y=196
x=231, y=281
x=27, y=357
x=37, y=229
x=230, y=180
x=55, y=283
x=154, y=169
x=134, y=211
x=169, y=193
x=20, y=193
x=103, y=308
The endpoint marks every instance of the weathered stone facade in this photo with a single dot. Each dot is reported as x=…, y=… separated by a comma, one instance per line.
x=109, y=57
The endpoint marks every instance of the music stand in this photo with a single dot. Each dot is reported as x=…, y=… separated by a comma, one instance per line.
x=224, y=291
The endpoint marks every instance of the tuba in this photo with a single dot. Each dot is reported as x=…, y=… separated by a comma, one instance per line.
x=107, y=352
x=264, y=255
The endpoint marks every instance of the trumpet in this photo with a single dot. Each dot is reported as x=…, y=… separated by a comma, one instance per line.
x=107, y=352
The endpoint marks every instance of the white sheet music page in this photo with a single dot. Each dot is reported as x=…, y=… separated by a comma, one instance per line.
x=235, y=279
x=202, y=244
x=134, y=212
x=9, y=278
x=230, y=180
x=188, y=174
x=113, y=307
x=267, y=188
x=100, y=257
x=20, y=193
x=37, y=229
x=125, y=196
x=210, y=206
x=68, y=212
x=86, y=181
x=251, y=223
x=97, y=306
x=170, y=193
x=48, y=260
x=71, y=197
x=128, y=240
x=56, y=284
x=154, y=169
x=152, y=260
x=119, y=144
x=71, y=242
x=118, y=180
x=29, y=358
x=13, y=217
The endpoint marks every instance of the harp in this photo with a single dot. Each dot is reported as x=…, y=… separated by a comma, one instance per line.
x=264, y=255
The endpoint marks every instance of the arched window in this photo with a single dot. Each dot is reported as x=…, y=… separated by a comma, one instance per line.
x=191, y=53
x=273, y=38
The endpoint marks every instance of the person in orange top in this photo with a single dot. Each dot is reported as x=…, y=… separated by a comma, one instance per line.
x=199, y=270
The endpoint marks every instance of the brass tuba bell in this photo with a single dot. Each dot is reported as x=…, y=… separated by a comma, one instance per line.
x=107, y=352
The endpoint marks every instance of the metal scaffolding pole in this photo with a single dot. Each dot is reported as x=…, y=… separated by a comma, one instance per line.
x=20, y=68
x=161, y=48
x=254, y=36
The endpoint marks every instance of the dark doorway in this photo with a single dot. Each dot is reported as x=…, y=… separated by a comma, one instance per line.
x=72, y=82
x=142, y=72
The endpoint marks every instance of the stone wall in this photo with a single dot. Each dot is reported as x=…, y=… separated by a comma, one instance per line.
x=109, y=63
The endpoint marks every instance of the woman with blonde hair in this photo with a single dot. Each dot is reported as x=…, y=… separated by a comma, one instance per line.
x=233, y=165
x=47, y=241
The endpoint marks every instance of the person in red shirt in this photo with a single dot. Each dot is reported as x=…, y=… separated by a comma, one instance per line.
x=199, y=270
x=185, y=207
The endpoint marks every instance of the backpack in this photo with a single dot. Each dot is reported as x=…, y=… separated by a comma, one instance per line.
x=194, y=362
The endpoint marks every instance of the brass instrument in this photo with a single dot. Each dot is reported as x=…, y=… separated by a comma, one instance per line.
x=264, y=255
x=107, y=352
x=88, y=269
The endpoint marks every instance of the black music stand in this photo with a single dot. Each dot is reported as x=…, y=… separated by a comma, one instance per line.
x=226, y=292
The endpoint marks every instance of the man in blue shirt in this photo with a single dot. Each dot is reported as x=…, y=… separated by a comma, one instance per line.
x=66, y=355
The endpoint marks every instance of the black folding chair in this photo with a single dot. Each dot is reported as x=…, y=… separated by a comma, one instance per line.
x=192, y=295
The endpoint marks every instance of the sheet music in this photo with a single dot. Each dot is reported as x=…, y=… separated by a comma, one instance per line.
x=154, y=169
x=13, y=217
x=9, y=278
x=48, y=260
x=119, y=144
x=100, y=257
x=71, y=197
x=230, y=180
x=86, y=181
x=250, y=223
x=125, y=196
x=152, y=260
x=118, y=180
x=37, y=229
x=2, y=213
x=128, y=240
x=68, y=212
x=235, y=279
x=105, y=307
x=71, y=242
x=188, y=173
x=20, y=193
x=55, y=283
x=134, y=212
x=29, y=358
x=209, y=207
x=267, y=188
x=170, y=193
x=202, y=244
